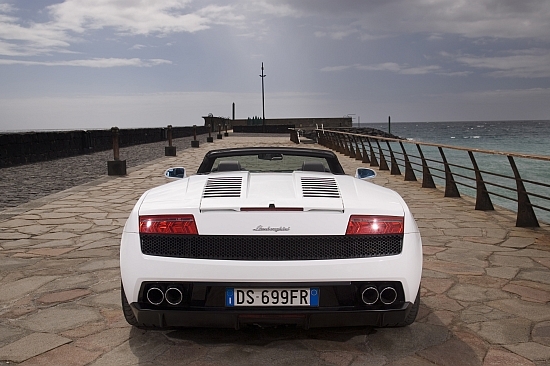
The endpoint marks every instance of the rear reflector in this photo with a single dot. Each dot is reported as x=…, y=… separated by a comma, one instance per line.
x=168, y=224
x=371, y=225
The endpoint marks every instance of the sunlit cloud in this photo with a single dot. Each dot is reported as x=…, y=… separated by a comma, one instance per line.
x=71, y=19
x=94, y=63
x=387, y=66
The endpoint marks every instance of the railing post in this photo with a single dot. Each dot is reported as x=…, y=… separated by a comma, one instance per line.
x=318, y=137
x=330, y=140
x=341, y=144
x=451, y=190
x=526, y=215
x=337, y=143
x=327, y=140
x=373, y=161
x=116, y=166
x=195, y=142
x=209, y=138
x=383, y=163
x=346, y=145
x=365, y=154
x=169, y=150
x=483, y=201
x=357, y=149
x=333, y=142
x=409, y=172
x=394, y=167
x=294, y=136
x=351, y=149
x=427, y=179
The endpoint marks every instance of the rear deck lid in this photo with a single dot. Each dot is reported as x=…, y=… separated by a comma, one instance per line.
x=238, y=191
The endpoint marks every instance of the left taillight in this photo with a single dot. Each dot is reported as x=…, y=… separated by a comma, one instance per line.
x=168, y=224
x=375, y=225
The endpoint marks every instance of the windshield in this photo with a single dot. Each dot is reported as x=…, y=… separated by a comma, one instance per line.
x=270, y=162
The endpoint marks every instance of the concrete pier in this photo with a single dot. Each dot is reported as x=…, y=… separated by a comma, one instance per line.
x=485, y=287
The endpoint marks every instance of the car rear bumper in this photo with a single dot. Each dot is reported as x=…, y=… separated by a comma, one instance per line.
x=222, y=318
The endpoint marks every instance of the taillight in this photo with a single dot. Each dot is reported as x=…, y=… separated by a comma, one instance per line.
x=168, y=224
x=369, y=225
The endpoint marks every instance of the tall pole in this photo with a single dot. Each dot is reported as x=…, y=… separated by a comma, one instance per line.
x=389, y=124
x=263, y=99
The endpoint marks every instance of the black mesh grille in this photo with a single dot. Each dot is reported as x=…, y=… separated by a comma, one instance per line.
x=271, y=248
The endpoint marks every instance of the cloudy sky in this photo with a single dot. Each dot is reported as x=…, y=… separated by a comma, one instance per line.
x=142, y=63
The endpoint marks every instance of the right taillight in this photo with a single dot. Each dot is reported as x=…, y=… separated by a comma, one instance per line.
x=168, y=224
x=375, y=225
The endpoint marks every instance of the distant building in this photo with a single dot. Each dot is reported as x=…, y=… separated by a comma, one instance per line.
x=305, y=123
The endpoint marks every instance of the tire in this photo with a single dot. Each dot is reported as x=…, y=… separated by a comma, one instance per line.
x=412, y=314
x=127, y=310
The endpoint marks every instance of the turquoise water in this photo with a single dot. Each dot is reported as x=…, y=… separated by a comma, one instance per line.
x=526, y=137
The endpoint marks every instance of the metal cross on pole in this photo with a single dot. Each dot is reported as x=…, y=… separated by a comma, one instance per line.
x=263, y=99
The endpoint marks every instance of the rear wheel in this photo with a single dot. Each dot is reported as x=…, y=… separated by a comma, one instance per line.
x=412, y=314
x=127, y=310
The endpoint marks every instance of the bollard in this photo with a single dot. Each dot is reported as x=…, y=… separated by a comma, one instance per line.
x=116, y=166
x=195, y=142
x=219, y=135
x=226, y=133
x=169, y=150
x=209, y=138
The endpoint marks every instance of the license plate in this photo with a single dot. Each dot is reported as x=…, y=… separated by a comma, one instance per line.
x=272, y=297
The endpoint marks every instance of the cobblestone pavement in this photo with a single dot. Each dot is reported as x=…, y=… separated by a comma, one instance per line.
x=485, y=288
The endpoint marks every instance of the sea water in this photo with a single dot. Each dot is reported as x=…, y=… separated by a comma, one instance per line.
x=523, y=137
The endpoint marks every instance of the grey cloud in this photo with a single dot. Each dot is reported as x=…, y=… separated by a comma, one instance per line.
x=469, y=18
x=518, y=64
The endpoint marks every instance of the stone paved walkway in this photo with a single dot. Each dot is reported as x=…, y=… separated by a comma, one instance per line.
x=485, y=288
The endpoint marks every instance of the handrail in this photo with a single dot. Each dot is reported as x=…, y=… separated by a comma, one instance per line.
x=360, y=146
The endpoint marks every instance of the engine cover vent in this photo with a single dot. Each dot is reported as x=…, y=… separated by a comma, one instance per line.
x=317, y=187
x=223, y=187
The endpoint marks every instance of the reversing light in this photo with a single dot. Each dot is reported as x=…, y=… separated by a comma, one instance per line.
x=370, y=225
x=168, y=224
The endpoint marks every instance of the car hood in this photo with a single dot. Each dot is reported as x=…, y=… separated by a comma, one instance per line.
x=242, y=191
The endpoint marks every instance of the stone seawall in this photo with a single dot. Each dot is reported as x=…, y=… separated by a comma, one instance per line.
x=29, y=147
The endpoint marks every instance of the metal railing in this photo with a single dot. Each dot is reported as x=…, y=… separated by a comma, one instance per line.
x=452, y=170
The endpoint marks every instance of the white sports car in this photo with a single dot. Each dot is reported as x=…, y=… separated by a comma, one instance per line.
x=270, y=236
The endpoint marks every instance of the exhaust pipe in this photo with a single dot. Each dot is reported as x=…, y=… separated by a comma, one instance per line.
x=388, y=295
x=174, y=296
x=369, y=295
x=155, y=296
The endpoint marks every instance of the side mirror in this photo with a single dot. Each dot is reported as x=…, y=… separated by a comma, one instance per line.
x=365, y=173
x=178, y=172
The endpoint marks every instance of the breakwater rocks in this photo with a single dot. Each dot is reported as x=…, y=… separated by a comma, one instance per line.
x=371, y=132
x=357, y=130
x=30, y=147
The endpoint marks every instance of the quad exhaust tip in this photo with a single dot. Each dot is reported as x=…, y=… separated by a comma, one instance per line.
x=388, y=295
x=370, y=295
x=155, y=296
x=174, y=296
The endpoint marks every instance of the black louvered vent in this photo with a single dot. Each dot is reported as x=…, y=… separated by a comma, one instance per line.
x=319, y=187
x=270, y=247
x=223, y=187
